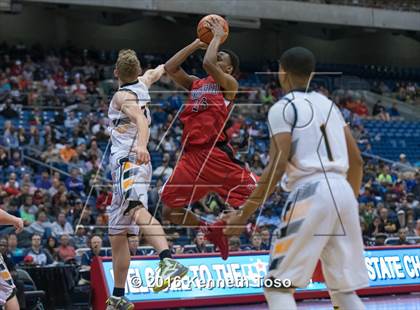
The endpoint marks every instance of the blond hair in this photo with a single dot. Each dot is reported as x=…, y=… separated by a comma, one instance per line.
x=128, y=65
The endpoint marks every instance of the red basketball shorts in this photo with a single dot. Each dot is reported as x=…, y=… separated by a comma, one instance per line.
x=201, y=172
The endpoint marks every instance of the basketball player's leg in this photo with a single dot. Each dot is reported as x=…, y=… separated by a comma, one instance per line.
x=342, y=258
x=192, y=179
x=12, y=303
x=151, y=229
x=182, y=189
x=298, y=242
x=283, y=297
x=120, y=262
x=118, y=225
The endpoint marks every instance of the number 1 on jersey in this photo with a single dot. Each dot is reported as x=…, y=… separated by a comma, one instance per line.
x=327, y=143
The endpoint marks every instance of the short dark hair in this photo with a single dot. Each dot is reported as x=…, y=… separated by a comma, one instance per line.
x=234, y=60
x=299, y=61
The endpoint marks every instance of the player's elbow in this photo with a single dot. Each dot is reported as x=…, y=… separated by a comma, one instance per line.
x=207, y=64
x=170, y=68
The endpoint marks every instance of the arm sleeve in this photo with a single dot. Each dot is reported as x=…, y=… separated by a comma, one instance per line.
x=280, y=118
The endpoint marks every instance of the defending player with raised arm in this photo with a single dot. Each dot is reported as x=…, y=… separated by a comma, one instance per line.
x=315, y=156
x=131, y=174
x=8, y=298
x=207, y=162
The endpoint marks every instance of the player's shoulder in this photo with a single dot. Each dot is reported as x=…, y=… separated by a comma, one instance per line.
x=122, y=95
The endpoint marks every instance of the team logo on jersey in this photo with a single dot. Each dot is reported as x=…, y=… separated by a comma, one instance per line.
x=212, y=88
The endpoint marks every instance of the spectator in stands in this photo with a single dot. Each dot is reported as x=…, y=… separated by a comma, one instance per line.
x=16, y=252
x=402, y=237
x=265, y=239
x=95, y=250
x=377, y=108
x=383, y=115
x=80, y=239
x=44, y=181
x=67, y=152
x=61, y=226
x=4, y=251
x=8, y=111
x=200, y=242
x=51, y=247
x=234, y=244
x=39, y=256
x=164, y=171
x=385, y=177
x=374, y=228
x=28, y=210
x=74, y=182
x=403, y=165
x=55, y=184
x=380, y=239
x=388, y=225
x=256, y=242
x=133, y=246
x=41, y=226
x=268, y=218
x=4, y=160
x=66, y=252
x=393, y=111
x=71, y=121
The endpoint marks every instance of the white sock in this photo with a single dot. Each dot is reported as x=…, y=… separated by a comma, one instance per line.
x=278, y=299
x=346, y=301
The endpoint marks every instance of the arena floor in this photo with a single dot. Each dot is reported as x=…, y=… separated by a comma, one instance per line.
x=393, y=302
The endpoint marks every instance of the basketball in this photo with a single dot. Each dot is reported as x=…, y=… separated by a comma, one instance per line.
x=205, y=34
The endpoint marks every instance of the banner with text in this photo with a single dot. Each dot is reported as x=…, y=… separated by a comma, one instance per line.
x=245, y=275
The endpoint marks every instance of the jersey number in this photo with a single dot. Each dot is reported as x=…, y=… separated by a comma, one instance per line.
x=327, y=143
x=200, y=104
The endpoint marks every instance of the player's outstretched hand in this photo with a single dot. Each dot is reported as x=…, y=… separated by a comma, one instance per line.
x=18, y=224
x=235, y=223
x=143, y=156
x=216, y=27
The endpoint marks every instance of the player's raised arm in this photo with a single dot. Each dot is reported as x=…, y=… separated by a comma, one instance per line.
x=127, y=103
x=152, y=76
x=225, y=80
x=173, y=65
x=355, y=172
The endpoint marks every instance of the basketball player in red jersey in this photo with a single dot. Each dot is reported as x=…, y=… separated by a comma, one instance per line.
x=207, y=163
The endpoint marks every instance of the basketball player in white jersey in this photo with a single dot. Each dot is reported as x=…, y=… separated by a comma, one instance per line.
x=316, y=158
x=8, y=299
x=131, y=174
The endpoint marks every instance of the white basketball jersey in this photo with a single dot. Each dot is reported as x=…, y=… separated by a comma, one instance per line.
x=312, y=119
x=123, y=131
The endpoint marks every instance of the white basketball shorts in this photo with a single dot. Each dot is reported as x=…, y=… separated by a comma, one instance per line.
x=130, y=184
x=320, y=221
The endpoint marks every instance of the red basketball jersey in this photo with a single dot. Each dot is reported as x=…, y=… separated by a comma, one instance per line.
x=205, y=114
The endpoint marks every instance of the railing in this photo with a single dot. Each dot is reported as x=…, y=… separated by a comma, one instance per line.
x=388, y=161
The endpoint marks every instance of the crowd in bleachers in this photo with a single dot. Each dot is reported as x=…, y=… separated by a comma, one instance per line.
x=398, y=5
x=54, y=151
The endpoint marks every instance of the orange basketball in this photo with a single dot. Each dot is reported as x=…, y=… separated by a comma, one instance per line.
x=205, y=34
